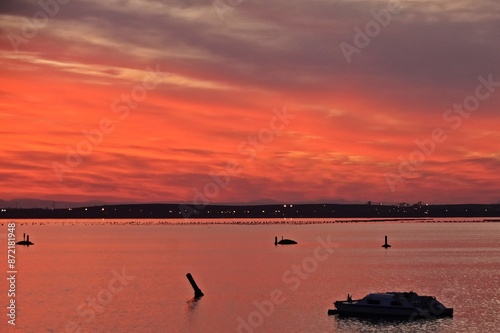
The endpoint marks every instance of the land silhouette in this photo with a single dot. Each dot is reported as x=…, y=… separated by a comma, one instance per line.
x=176, y=211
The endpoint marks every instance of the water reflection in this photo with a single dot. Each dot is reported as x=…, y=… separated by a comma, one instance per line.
x=363, y=325
x=192, y=304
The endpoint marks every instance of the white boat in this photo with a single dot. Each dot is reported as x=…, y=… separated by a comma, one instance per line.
x=404, y=305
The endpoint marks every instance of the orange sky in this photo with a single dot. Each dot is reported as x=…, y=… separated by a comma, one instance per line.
x=172, y=94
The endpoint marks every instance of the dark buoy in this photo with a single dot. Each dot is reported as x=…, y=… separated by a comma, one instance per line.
x=25, y=241
x=197, y=291
x=386, y=245
x=283, y=241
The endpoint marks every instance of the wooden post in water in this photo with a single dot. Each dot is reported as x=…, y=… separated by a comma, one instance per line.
x=197, y=291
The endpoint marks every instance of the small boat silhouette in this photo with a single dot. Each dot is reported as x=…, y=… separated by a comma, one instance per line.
x=25, y=241
x=284, y=241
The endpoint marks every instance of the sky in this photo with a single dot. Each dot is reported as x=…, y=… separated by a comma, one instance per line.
x=250, y=101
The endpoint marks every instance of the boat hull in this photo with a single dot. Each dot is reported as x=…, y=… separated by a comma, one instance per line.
x=346, y=309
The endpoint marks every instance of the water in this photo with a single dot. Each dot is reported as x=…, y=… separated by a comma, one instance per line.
x=88, y=277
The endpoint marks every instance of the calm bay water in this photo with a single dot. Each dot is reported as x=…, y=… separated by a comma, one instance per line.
x=94, y=276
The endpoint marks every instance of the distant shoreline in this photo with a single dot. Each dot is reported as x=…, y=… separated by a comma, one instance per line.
x=327, y=211
x=235, y=222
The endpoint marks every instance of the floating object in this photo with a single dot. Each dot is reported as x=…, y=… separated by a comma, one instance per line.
x=284, y=241
x=25, y=241
x=197, y=291
x=400, y=305
x=386, y=245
